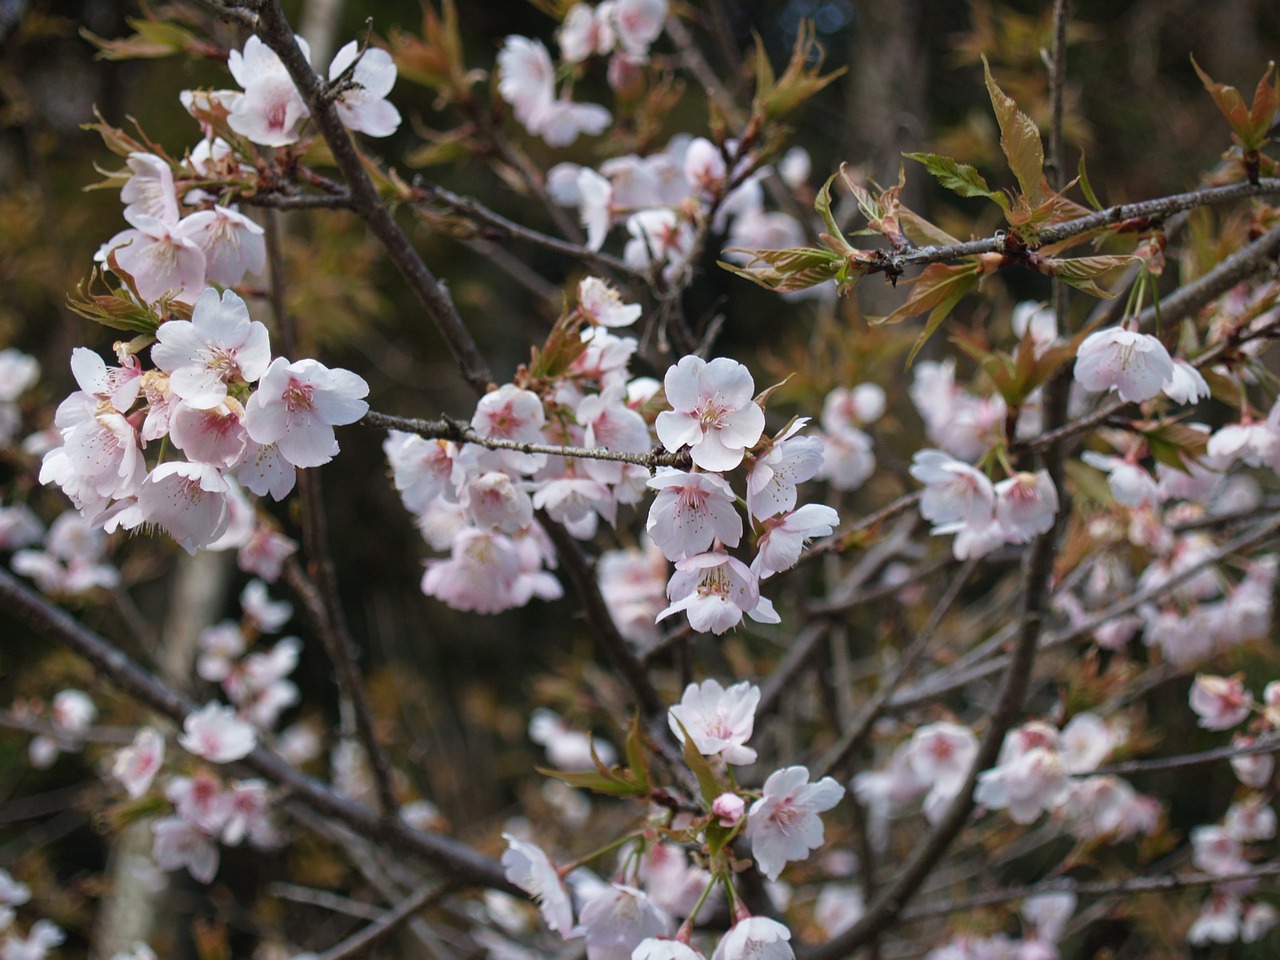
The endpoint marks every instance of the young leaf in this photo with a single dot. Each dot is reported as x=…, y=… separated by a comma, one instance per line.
x=1019, y=139
x=708, y=782
x=1085, y=187
x=776, y=98
x=610, y=783
x=636, y=759
x=1250, y=124
x=1080, y=272
x=822, y=204
x=797, y=268
x=940, y=284
x=958, y=177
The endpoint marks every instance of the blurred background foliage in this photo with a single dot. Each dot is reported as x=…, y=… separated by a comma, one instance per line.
x=453, y=691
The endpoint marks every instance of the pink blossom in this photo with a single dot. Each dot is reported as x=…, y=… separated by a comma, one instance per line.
x=510, y=413
x=715, y=590
x=692, y=511
x=1215, y=851
x=187, y=500
x=774, y=476
x=1186, y=384
x=633, y=583
x=659, y=948
x=1135, y=365
x=297, y=405
x=784, y=823
x=423, y=469
x=218, y=346
x=728, y=808
x=617, y=919
x=712, y=412
x=480, y=575
x=1026, y=505
x=532, y=871
x=215, y=435
x=719, y=720
x=783, y=538
x=567, y=748
x=272, y=110
x=494, y=502
x=756, y=938
x=955, y=492
x=150, y=190
x=136, y=765
x=233, y=245
x=365, y=107
x=639, y=23
x=585, y=32
x=265, y=552
x=1250, y=819
x=161, y=259
x=659, y=236
x=847, y=459
x=264, y=470
x=602, y=304
x=178, y=844
x=73, y=711
x=848, y=409
x=215, y=733
x=1030, y=784
x=1220, y=702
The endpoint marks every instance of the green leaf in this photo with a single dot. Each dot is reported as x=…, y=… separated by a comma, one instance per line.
x=1019, y=139
x=797, y=268
x=610, y=784
x=636, y=759
x=958, y=177
x=1175, y=444
x=937, y=290
x=1080, y=272
x=1085, y=187
x=708, y=782
x=151, y=39
x=775, y=98
x=822, y=204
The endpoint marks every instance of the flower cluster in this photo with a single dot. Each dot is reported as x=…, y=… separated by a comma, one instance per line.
x=199, y=399
x=635, y=915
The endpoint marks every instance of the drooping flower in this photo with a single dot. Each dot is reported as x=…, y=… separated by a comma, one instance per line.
x=1135, y=365
x=784, y=824
x=690, y=512
x=530, y=869
x=784, y=537
x=715, y=590
x=617, y=919
x=755, y=938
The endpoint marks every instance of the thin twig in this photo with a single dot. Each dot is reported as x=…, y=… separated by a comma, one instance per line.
x=460, y=432
x=1088, y=887
x=386, y=924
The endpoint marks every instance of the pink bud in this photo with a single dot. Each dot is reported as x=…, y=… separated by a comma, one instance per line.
x=729, y=807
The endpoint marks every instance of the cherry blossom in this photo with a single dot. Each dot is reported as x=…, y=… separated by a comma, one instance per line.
x=789, y=461
x=712, y=412
x=186, y=500
x=178, y=844
x=658, y=948
x=1135, y=365
x=510, y=413
x=755, y=938
x=955, y=492
x=136, y=765
x=719, y=720
x=1220, y=702
x=272, y=110
x=783, y=824
x=365, y=106
x=617, y=919
x=691, y=512
x=160, y=257
x=784, y=537
x=1026, y=504
x=601, y=304
x=531, y=870
x=715, y=590
x=215, y=733
x=586, y=32
x=567, y=748
x=728, y=809
x=297, y=405
x=233, y=245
